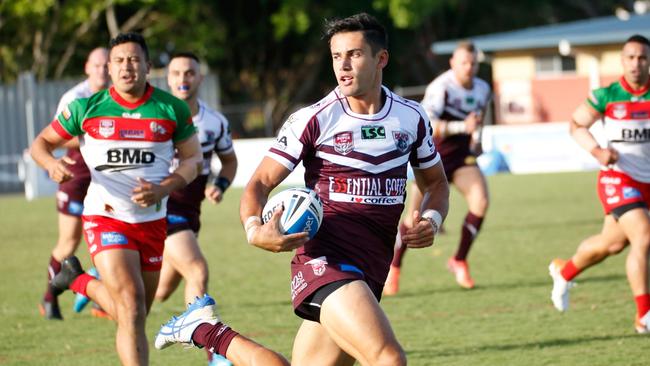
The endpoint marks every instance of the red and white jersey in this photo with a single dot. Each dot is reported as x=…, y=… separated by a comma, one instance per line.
x=358, y=164
x=81, y=90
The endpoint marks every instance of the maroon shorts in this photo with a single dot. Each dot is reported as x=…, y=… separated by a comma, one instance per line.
x=309, y=274
x=619, y=193
x=147, y=238
x=456, y=161
x=179, y=221
x=70, y=196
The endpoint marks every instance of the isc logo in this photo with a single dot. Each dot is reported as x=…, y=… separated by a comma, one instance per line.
x=130, y=156
x=373, y=132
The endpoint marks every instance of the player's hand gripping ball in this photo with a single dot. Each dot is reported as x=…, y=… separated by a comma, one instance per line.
x=303, y=211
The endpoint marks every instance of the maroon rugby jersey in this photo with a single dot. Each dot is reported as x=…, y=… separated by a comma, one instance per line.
x=357, y=163
x=445, y=99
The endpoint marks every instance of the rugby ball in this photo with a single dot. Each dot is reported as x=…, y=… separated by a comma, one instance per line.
x=303, y=211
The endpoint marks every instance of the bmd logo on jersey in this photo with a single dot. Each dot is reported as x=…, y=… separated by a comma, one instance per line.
x=126, y=159
x=343, y=142
x=373, y=132
x=401, y=140
x=106, y=127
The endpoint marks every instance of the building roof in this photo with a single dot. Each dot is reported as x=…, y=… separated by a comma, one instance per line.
x=594, y=31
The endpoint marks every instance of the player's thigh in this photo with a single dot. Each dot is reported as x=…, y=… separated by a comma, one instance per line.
x=69, y=229
x=120, y=270
x=354, y=320
x=612, y=235
x=182, y=251
x=314, y=347
x=471, y=183
x=636, y=226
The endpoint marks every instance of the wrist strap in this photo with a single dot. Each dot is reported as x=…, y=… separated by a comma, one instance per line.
x=434, y=217
x=222, y=182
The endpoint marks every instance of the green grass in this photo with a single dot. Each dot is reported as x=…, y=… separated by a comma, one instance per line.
x=506, y=320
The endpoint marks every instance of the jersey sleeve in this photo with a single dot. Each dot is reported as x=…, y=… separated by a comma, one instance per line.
x=184, y=126
x=292, y=141
x=598, y=99
x=424, y=153
x=223, y=144
x=68, y=122
x=434, y=100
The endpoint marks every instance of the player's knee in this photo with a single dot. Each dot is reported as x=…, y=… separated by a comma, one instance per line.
x=198, y=271
x=479, y=205
x=130, y=306
x=392, y=355
x=616, y=248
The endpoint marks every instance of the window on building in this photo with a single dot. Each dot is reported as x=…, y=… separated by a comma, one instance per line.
x=554, y=64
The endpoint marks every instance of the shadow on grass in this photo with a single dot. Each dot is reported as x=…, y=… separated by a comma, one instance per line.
x=523, y=346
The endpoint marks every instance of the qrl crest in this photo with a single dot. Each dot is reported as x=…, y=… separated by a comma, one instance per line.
x=401, y=140
x=106, y=127
x=343, y=142
x=619, y=111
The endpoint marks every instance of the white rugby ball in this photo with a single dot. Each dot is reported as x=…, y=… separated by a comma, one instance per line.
x=303, y=211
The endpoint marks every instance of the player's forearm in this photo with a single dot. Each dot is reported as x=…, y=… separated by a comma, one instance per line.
x=583, y=137
x=253, y=199
x=228, y=167
x=436, y=197
x=41, y=152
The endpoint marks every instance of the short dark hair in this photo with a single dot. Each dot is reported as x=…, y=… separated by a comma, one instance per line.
x=373, y=32
x=637, y=38
x=185, y=54
x=129, y=37
x=467, y=46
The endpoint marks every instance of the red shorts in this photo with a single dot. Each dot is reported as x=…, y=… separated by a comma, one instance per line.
x=147, y=238
x=70, y=196
x=619, y=193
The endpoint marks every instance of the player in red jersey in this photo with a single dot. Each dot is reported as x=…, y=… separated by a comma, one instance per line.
x=127, y=137
x=70, y=194
x=455, y=102
x=623, y=182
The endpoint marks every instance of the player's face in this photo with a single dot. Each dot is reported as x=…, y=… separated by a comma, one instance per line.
x=357, y=70
x=464, y=65
x=128, y=67
x=183, y=77
x=97, y=69
x=635, y=63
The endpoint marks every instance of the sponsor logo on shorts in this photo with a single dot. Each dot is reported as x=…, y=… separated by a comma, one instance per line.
x=62, y=196
x=176, y=219
x=610, y=180
x=90, y=235
x=343, y=142
x=106, y=127
x=75, y=208
x=132, y=134
x=156, y=259
x=113, y=238
x=93, y=248
x=610, y=190
x=89, y=225
x=297, y=284
x=318, y=265
x=612, y=200
x=630, y=192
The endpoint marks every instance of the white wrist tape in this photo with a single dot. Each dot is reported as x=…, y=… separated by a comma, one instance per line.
x=251, y=225
x=434, y=217
x=455, y=127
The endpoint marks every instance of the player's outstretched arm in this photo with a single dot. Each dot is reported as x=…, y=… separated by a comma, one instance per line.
x=583, y=117
x=214, y=192
x=268, y=175
x=41, y=151
x=432, y=182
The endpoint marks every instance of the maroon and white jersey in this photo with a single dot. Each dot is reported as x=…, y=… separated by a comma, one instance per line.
x=358, y=164
x=81, y=90
x=214, y=135
x=445, y=99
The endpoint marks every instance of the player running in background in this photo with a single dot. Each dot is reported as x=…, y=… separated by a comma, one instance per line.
x=455, y=102
x=127, y=136
x=182, y=256
x=355, y=145
x=623, y=181
x=70, y=195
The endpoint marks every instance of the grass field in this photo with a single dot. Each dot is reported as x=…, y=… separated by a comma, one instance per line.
x=507, y=320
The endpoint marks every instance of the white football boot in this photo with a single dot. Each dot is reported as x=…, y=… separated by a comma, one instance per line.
x=180, y=329
x=560, y=292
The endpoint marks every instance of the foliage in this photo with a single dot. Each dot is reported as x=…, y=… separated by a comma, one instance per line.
x=265, y=51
